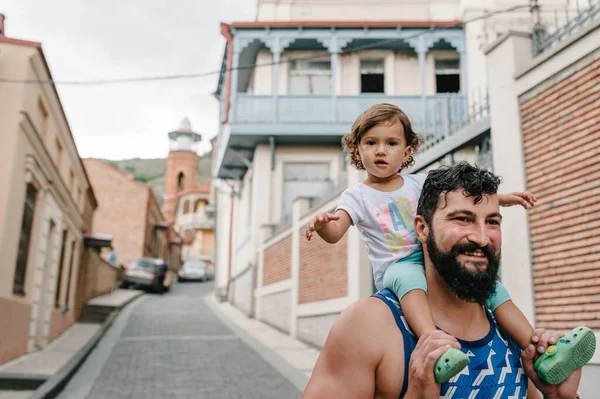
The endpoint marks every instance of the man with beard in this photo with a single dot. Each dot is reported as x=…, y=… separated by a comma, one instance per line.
x=370, y=351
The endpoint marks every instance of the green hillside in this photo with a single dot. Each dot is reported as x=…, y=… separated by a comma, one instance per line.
x=152, y=171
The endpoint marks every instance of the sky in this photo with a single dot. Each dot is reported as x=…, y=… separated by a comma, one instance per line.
x=87, y=40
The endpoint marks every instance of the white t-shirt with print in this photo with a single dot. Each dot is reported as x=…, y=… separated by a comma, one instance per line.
x=385, y=221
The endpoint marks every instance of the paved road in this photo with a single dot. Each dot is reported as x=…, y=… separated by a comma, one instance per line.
x=174, y=346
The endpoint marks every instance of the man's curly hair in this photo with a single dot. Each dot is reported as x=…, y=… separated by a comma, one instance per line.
x=472, y=180
x=371, y=117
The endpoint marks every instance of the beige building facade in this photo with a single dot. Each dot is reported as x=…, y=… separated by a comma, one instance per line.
x=44, y=190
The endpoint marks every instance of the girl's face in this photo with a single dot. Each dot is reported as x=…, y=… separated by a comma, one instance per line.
x=383, y=149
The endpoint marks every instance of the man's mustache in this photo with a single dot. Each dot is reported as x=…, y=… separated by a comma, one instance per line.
x=487, y=250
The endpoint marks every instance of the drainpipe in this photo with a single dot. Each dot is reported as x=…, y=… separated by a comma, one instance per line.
x=227, y=34
x=231, y=199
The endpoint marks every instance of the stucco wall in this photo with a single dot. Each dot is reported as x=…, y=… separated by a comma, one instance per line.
x=13, y=334
x=276, y=308
x=314, y=329
x=242, y=291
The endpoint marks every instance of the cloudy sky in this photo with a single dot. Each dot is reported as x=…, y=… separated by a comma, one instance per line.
x=91, y=40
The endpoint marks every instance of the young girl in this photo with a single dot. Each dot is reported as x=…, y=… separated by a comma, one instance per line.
x=383, y=209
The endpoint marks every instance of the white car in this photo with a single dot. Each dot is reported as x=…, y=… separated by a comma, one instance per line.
x=195, y=270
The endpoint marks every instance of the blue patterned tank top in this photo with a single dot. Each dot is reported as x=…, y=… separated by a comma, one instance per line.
x=495, y=370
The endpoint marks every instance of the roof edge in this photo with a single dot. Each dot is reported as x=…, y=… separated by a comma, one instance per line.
x=344, y=24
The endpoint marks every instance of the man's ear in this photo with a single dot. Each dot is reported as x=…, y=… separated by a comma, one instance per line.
x=421, y=229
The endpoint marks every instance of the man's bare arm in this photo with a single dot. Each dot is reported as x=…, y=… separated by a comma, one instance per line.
x=352, y=352
x=532, y=392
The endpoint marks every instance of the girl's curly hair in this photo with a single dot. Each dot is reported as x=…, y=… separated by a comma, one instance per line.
x=371, y=117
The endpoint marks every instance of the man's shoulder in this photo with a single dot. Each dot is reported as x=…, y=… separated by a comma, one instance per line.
x=366, y=319
x=370, y=306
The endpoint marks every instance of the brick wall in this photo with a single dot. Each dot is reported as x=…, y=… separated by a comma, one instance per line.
x=561, y=131
x=178, y=161
x=121, y=212
x=100, y=276
x=323, y=269
x=278, y=262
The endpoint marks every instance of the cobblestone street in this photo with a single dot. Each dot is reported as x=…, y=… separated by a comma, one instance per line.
x=174, y=346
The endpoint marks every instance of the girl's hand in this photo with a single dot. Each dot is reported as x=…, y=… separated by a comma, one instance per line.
x=525, y=199
x=318, y=221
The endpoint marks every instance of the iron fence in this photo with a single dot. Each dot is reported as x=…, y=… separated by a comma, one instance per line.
x=585, y=14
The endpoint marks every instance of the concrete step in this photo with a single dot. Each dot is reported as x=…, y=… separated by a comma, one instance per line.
x=21, y=381
x=95, y=314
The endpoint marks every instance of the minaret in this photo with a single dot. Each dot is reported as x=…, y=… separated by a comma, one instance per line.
x=182, y=165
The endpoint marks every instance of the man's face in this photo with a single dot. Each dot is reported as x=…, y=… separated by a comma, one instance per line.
x=464, y=244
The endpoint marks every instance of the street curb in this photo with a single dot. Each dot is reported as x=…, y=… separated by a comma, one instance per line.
x=56, y=383
x=297, y=378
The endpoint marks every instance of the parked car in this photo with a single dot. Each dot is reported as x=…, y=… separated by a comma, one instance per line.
x=195, y=270
x=147, y=273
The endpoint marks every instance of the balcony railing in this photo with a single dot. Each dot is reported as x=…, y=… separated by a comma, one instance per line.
x=193, y=221
x=584, y=17
x=437, y=114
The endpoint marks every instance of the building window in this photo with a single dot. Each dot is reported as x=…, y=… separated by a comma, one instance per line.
x=372, y=76
x=309, y=77
x=71, y=180
x=26, y=224
x=186, y=207
x=42, y=118
x=310, y=180
x=60, y=270
x=78, y=197
x=447, y=76
x=180, y=182
x=59, y=152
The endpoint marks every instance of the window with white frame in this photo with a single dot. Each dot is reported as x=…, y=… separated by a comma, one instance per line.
x=372, y=76
x=309, y=76
x=310, y=180
x=447, y=76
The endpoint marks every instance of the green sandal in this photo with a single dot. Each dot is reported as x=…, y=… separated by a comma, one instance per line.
x=570, y=353
x=450, y=364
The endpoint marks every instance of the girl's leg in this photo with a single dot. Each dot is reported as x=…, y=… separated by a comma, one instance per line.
x=407, y=279
x=558, y=361
x=509, y=316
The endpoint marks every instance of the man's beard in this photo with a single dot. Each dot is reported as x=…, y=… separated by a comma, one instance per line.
x=471, y=286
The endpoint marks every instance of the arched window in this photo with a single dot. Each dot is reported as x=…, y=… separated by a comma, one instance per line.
x=180, y=182
x=186, y=207
x=197, y=205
